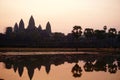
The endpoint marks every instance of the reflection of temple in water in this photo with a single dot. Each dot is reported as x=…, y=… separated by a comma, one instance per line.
x=93, y=62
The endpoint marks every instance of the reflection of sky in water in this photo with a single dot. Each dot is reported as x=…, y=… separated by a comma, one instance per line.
x=59, y=72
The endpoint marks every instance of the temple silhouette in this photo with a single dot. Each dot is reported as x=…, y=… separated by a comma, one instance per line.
x=31, y=28
x=32, y=36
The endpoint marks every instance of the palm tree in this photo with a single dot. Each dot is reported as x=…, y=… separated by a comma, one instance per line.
x=77, y=31
x=112, y=32
x=76, y=70
x=88, y=32
x=105, y=28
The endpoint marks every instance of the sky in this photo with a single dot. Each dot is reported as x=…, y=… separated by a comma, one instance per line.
x=62, y=14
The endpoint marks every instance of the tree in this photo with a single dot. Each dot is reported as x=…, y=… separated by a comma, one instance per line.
x=89, y=32
x=100, y=34
x=105, y=28
x=76, y=34
x=76, y=70
x=77, y=31
x=112, y=32
x=58, y=36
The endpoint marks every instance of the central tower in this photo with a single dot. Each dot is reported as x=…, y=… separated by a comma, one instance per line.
x=31, y=25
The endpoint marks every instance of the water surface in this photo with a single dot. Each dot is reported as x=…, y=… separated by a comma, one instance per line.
x=59, y=66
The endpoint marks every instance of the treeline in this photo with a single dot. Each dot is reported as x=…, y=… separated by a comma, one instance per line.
x=33, y=36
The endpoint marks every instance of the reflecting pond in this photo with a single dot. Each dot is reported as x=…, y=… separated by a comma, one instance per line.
x=59, y=66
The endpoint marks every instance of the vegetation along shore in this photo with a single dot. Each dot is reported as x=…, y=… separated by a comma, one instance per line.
x=36, y=37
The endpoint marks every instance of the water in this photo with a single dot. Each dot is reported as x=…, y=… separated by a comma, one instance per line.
x=59, y=66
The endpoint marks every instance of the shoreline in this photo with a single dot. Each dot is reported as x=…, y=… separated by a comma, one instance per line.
x=59, y=50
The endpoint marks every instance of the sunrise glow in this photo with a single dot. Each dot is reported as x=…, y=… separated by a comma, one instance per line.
x=62, y=14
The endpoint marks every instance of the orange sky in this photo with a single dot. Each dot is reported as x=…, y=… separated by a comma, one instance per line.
x=62, y=14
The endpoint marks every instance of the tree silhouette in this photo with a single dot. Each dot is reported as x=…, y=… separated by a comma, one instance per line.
x=105, y=28
x=77, y=31
x=100, y=65
x=88, y=66
x=100, y=34
x=76, y=70
x=112, y=32
x=112, y=68
x=89, y=32
x=118, y=38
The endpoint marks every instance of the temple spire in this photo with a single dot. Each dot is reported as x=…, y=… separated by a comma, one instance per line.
x=39, y=27
x=31, y=25
x=21, y=26
x=16, y=28
x=48, y=28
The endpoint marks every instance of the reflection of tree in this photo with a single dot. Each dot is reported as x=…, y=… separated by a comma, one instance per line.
x=112, y=68
x=119, y=65
x=76, y=70
x=88, y=66
x=100, y=65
